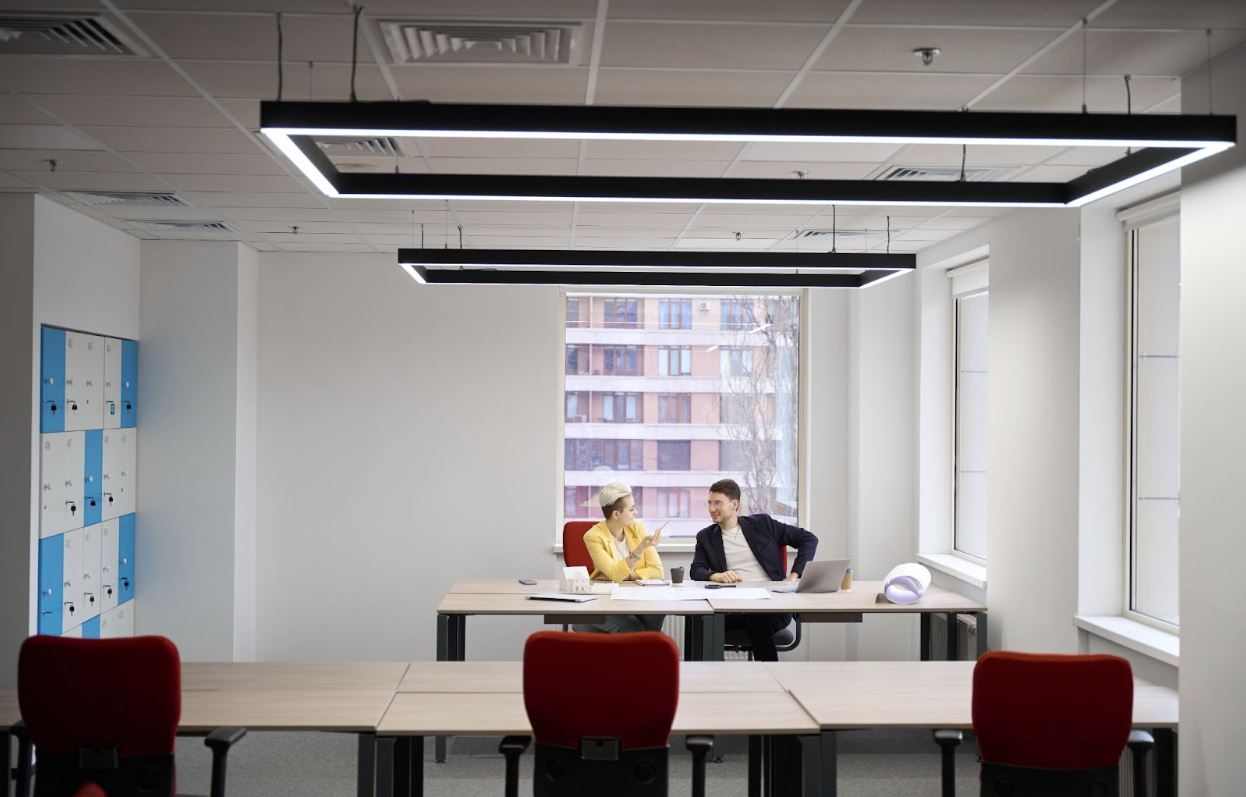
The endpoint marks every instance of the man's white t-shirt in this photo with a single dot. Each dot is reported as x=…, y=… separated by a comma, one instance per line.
x=740, y=558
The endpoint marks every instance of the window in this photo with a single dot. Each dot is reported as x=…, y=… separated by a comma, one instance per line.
x=675, y=408
x=644, y=367
x=675, y=361
x=970, y=320
x=674, y=313
x=622, y=360
x=622, y=313
x=1152, y=480
x=574, y=318
x=577, y=407
x=674, y=455
x=581, y=454
x=620, y=407
x=736, y=314
x=736, y=360
x=672, y=502
x=577, y=359
x=580, y=503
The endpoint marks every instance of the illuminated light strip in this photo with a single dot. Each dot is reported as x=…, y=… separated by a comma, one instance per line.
x=415, y=271
x=1150, y=174
x=296, y=156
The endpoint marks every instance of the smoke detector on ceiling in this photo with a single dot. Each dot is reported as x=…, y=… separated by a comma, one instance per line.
x=425, y=41
x=927, y=54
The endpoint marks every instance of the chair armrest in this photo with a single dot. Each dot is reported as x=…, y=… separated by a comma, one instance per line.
x=512, y=747
x=25, y=759
x=700, y=747
x=220, y=741
x=1140, y=745
x=948, y=741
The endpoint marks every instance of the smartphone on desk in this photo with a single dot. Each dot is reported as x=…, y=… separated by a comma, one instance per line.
x=716, y=585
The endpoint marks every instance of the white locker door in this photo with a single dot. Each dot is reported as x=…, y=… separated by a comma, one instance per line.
x=62, y=460
x=112, y=383
x=117, y=622
x=109, y=531
x=72, y=568
x=90, y=584
x=84, y=381
x=75, y=633
x=120, y=458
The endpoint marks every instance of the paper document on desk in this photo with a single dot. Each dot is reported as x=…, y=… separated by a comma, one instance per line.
x=560, y=596
x=740, y=594
x=660, y=594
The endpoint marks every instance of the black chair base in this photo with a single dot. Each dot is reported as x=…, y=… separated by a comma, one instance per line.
x=1001, y=780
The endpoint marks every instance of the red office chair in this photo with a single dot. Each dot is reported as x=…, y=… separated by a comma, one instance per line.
x=785, y=639
x=1051, y=724
x=103, y=715
x=621, y=748
x=574, y=551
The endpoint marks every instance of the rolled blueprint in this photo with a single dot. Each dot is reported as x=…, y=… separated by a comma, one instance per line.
x=906, y=583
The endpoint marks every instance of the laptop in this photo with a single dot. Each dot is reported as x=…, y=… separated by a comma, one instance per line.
x=819, y=577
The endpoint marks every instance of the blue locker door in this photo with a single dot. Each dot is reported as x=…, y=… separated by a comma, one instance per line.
x=129, y=384
x=52, y=380
x=125, y=559
x=91, y=628
x=51, y=584
x=93, y=477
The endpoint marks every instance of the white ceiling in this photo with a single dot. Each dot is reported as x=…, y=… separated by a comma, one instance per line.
x=184, y=118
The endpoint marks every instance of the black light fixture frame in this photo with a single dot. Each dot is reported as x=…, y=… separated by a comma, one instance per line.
x=653, y=268
x=1160, y=143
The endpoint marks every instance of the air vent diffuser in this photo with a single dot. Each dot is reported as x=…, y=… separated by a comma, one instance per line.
x=420, y=41
x=63, y=33
x=183, y=226
x=132, y=199
x=945, y=173
x=378, y=147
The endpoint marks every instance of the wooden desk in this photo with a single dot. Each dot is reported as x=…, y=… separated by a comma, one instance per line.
x=501, y=586
x=342, y=710
x=864, y=598
x=204, y=676
x=847, y=695
x=494, y=677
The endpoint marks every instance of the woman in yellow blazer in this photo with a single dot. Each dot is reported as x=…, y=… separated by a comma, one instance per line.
x=622, y=551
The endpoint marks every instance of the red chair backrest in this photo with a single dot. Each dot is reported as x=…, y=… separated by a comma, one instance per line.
x=1052, y=711
x=76, y=693
x=559, y=668
x=574, y=551
x=783, y=559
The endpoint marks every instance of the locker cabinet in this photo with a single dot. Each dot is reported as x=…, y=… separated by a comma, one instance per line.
x=89, y=585
x=62, y=467
x=52, y=380
x=84, y=381
x=71, y=579
x=112, y=383
x=118, y=622
x=51, y=585
x=129, y=383
x=109, y=552
x=120, y=458
x=125, y=559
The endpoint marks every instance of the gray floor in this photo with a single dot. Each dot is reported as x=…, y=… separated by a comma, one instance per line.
x=311, y=765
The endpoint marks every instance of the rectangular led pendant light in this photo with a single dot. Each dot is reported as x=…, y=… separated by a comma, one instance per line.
x=660, y=268
x=1160, y=143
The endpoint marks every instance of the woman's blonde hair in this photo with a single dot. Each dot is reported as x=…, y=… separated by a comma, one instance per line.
x=611, y=498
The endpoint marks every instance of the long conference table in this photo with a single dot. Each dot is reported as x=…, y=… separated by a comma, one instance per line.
x=783, y=707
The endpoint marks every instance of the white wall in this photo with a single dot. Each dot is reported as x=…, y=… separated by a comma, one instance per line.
x=18, y=564
x=194, y=490
x=1033, y=424
x=1213, y=437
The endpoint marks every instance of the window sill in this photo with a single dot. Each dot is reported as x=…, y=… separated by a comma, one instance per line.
x=663, y=547
x=956, y=567
x=1140, y=637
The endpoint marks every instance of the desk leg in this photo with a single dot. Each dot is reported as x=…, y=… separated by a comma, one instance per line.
x=754, y=766
x=1165, y=762
x=385, y=766
x=694, y=638
x=924, y=650
x=953, y=637
x=417, y=766
x=982, y=635
x=715, y=637
x=819, y=764
x=451, y=646
x=402, y=767
x=365, y=777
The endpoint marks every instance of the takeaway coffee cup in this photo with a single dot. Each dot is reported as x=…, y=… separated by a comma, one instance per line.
x=677, y=575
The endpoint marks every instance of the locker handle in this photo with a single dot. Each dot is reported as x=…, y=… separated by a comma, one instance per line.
x=73, y=507
x=125, y=583
x=109, y=497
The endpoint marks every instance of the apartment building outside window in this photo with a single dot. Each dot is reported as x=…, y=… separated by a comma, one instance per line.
x=674, y=360
x=622, y=313
x=621, y=360
x=675, y=408
x=675, y=313
x=620, y=407
x=736, y=315
x=578, y=360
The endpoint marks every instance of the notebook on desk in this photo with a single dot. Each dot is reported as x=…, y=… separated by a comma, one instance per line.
x=561, y=596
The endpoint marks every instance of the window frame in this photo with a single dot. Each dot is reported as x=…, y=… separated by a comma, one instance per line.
x=955, y=297
x=1165, y=209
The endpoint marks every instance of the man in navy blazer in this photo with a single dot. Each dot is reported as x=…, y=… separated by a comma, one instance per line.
x=748, y=548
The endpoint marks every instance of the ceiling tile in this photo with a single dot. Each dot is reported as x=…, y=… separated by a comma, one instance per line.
x=710, y=45
x=493, y=148
x=1110, y=52
x=663, y=150
x=974, y=12
x=279, y=215
x=838, y=153
x=250, y=37
x=950, y=155
x=319, y=82
x=15, y=110
x=130, y=111
x=1086, y=156
x=1196, y=14
x=918, y=91
x=961, y=50
x=563, y=166
x=786, y=170
x=194, y=163
x=44, y=137
x=721, y=10
x=692, y=88
x=33, y=75
x=233, y=182
x=492, y=84
x=93, y=181
x=1054, y=93
x=252, y=199
x=610, y=167
x=1051, y=174
x=175, y=139
x=673, y=221
x=36, y=160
